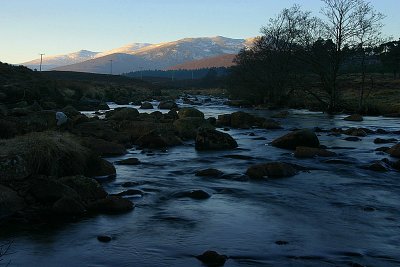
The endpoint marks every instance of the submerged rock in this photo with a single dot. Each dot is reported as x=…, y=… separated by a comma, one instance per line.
x=354, y=117
x=104, y=238
x=129, y=161
x=208, y=139
x=310, y=152
x=305, y=138
x=385, y=141
x=271, y=170
x=212, y=258
x=195, y=194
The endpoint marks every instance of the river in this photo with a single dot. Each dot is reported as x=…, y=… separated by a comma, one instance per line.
x=332, y=215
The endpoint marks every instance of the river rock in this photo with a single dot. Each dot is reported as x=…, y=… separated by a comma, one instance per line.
x=294, y=139
x=271, y=124
x=310, y=152
x=394, y=151
x=10, y=202
x=146, y=105
x=111, y=204
x=187, y=127
x=244, y=120
x=209, y=139
x=224, y=120
x=102, y=147
x=47, y=190
x=104, y=238
x=121, y=114
x=212, y=258
x=385, y=141
x=100, y=169
x=280, y=115
x=354, y=117
x=209, y=173
x=360, y=132
x=67, y=206
x=271, y=170
x=156, y=140
x=377, y=166
x=129, y=161
x=88, y=189
x=195, y=194
x=167, y=104
x=70, y=111
x=190, y=113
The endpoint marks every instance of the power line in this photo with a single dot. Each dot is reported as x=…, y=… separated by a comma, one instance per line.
x=41, y=60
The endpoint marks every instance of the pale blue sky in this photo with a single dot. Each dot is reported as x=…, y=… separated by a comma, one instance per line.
x=28, y=27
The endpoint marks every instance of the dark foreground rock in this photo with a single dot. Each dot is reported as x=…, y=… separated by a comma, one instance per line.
x=168, y=104
x=271, y=170
x=44, y=178
x=212, y=258
x=146, y=105
x=305, y=138
x=208, y=139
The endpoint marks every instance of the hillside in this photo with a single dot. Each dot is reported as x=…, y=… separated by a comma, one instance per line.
x=225, y=60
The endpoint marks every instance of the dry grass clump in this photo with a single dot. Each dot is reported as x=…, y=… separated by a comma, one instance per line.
x=48, y=153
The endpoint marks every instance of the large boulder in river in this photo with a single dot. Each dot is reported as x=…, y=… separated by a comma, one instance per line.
x=154, y=139
x=271, y=170
x=245, y=120
x=294, y=139
x=187, y=127
x=167, y=104
x=209, y=139
x=102, y=147
x=190, y=113
x=212, y=258
x=121, y=114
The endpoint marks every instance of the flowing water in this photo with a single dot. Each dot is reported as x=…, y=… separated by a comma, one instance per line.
x=332, y=215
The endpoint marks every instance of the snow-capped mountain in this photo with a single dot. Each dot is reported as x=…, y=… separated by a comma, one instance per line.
x=137, y=56
x=50, y=62
x=126, y=49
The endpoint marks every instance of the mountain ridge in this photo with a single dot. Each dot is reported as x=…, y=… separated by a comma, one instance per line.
x=138, y=56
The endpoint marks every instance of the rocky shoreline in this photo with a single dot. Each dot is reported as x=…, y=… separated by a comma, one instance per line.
x=52, y=172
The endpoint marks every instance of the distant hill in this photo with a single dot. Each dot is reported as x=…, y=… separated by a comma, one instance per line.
x=136, y=57
x=50, y=62
x=225, y=60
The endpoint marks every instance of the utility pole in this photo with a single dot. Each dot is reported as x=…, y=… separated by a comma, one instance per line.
x=141, y=73
x=41, y=60
x=173, y=72
x=192, y=75
x=111, y=67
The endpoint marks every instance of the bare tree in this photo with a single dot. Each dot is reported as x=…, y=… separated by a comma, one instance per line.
x=368, y=37
x=348, y=23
